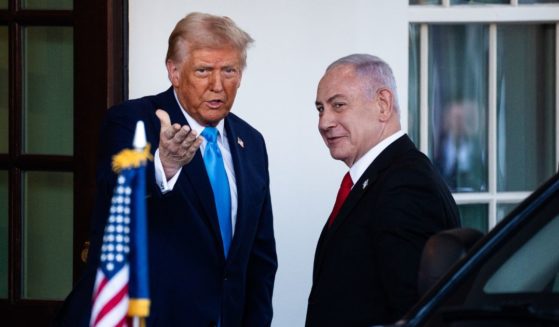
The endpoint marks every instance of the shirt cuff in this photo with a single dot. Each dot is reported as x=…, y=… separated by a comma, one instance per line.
x=164, y=185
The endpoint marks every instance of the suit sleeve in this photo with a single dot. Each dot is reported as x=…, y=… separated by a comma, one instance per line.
x=262, y=267
x=410, y=211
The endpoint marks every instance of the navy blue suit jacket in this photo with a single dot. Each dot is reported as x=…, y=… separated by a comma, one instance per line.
x=191, y=282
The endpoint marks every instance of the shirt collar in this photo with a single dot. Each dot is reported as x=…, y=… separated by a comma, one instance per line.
x=195, y=125
x=359, y=167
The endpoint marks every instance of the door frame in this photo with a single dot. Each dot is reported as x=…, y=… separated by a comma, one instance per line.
x=100, y=80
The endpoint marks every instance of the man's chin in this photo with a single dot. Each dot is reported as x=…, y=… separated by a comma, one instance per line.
x=337, y=155
x=213, y=120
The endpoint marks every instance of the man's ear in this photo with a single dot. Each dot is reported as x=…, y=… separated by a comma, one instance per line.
x=385, y=102
x=173, y=72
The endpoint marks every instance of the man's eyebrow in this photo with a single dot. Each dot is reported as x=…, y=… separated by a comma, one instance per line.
x=329, y=100
x=332, y=98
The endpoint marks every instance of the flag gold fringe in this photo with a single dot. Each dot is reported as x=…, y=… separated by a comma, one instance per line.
x=130, y=158
x=138, y=307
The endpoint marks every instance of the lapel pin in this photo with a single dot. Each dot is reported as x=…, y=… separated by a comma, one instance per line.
x=365, y=183
x=241, y=143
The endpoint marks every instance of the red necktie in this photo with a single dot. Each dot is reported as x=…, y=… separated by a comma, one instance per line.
x=347, y=183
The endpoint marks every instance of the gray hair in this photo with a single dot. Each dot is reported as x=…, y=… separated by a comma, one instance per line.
x=374, y=72
x=200, y=30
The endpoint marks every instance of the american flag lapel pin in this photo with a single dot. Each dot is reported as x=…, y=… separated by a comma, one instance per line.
x=365, y=183
x=241, y=143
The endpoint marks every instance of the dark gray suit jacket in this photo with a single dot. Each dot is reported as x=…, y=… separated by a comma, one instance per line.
x=366, y=263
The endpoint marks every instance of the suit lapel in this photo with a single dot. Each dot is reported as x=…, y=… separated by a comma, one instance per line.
x=366, y=181
x=238, y=155
x=351, y=201
x=196, y=174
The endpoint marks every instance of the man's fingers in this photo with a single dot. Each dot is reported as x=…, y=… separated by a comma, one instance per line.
x=163, y=118
x=178, y=144
x=189, y=140
x=197, y=143
x=191, y=149
x=167, y=129
x=182, y=134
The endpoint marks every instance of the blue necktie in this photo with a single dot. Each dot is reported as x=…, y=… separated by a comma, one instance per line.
x=220, y=185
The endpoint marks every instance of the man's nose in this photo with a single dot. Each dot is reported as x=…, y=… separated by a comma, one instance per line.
x=326, y=120
x=216, y=82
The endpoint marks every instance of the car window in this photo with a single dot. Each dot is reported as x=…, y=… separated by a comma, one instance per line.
x=533, y=268
x=510, y=279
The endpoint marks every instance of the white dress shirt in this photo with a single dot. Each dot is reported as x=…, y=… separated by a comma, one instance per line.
x=359, y=167
x=168, y=185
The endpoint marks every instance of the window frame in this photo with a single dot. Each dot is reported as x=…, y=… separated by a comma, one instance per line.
x=101, y=33
x=492, y=15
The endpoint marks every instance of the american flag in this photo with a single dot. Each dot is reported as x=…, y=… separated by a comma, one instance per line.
x=121, y=285
x=110, y=293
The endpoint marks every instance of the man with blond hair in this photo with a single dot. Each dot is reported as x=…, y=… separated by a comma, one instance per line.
x=212, y=255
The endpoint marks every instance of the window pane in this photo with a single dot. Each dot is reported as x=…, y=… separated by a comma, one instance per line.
x=47, y=235
x=458, y=104
x=474, y=216
x=3, y=234
x=522, y=2
x=477, y=2
x=503, y=209
x=47, y=4
x=48, y=90
x=4, y=71
x=413, y=102
x=525, y=106
x=3, y=4
x=425, y=2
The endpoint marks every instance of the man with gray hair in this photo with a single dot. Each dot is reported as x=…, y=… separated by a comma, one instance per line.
x=390, y=201
x=212, y=255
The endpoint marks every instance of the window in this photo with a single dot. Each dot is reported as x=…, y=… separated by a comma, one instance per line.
x=483, y=99
x=49, y=122
x=36, y=150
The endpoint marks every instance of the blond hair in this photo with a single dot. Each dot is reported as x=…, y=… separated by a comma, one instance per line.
x=200, y=30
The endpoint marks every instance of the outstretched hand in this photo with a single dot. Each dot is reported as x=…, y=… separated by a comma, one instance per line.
x=177, y=144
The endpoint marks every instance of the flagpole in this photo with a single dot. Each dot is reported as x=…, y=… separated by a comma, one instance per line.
x=123, y=259
x=138, y=321
x=139, y=297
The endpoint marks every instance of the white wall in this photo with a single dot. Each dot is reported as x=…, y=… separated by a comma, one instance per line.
x=294, y=42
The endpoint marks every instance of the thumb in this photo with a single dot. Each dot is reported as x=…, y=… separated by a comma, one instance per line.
x=163, y=118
